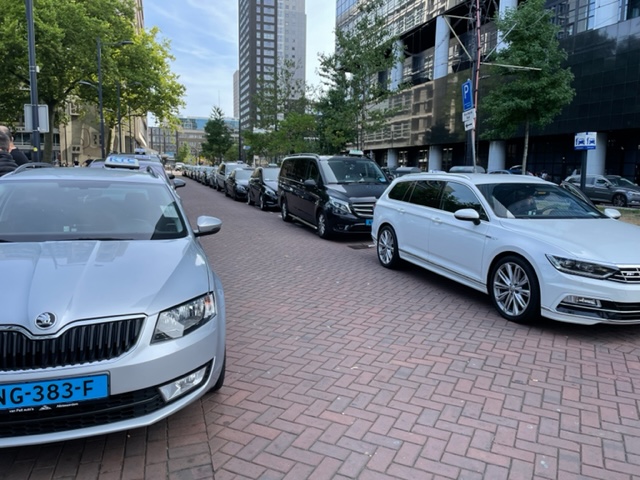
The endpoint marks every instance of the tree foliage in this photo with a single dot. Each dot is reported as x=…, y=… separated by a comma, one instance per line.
x=217, y=136
x=522, y=97
x=283, y=122
x=66, y=33
x=357, y=79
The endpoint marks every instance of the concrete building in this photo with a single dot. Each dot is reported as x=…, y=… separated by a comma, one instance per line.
x=602, y=40
x=270, y=32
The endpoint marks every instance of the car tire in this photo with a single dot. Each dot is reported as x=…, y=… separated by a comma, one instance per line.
x=220, y=382
x=263, y=205
x=284, y=211
x=619, y=200
x=387, y=248
x=322, y=225
x=514, y=290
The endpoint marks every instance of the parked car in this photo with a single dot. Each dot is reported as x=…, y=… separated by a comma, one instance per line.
x=332, y=194
x=224, y=170
x=609, y=189
x=263, y=187
x=98, y=336
x=237, y=183
x=532, y=246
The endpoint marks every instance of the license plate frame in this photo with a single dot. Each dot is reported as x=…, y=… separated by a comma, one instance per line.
x=53, y=392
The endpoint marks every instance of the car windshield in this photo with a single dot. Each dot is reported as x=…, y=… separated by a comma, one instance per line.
x=36, y=211
x=536, y=201
x=270, y=174
x=243, y=174
x=351, y=170
x=621, y=182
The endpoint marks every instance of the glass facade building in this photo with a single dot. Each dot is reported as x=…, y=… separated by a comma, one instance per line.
x=602, y=41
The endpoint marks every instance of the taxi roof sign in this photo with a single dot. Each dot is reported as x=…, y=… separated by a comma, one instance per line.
x=115, y=161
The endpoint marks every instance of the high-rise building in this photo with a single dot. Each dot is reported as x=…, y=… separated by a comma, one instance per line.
x=601, y=40
x=270, y=33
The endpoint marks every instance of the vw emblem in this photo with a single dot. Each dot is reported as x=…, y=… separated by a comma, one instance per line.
x=45, y=320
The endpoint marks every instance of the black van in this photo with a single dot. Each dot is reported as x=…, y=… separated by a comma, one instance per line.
x=330, y=193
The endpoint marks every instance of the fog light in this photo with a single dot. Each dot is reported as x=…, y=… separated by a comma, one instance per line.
x=179, y=387
x=584, y=301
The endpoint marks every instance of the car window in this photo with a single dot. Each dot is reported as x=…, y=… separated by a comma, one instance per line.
x=601, y=182
x=101, y=210
x=299, y=170
x=456, y=196
x=270, y=174
x=352, y=170
x=536, y=201
x=313, y=173
x=400, y=190
x=427, y=193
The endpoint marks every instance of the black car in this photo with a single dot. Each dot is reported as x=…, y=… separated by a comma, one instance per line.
x=237, y=183
x=263, y=187
x=223, y=172
x=331, y=194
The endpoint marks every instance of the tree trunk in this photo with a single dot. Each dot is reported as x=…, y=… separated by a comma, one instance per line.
x=526, y=148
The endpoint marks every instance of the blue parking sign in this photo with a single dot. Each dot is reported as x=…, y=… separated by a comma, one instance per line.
x=467, y=97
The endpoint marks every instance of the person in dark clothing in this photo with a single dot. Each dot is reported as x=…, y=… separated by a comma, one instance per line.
x=19, y=157
x=7, y=163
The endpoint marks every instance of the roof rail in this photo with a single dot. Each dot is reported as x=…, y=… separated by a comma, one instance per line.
x=27, y=166
x=303, y=155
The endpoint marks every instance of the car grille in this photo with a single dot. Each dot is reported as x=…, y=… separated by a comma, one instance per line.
x=627, y=275
x=78, y=345
x=364, y=210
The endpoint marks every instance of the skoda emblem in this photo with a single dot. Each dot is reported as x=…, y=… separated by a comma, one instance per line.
x=45, y=320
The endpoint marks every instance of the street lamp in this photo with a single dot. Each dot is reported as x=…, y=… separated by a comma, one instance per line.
x=100, y=107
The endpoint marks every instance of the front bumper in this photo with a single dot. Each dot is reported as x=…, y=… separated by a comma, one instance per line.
x=586, y=301
x=134, y=397
x=349, y=223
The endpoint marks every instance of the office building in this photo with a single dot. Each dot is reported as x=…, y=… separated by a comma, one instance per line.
x=270, y=33
x=603, y=45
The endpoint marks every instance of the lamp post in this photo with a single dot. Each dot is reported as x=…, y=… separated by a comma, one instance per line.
x=100, y=106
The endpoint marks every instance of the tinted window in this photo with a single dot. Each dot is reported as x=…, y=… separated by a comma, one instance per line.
x=313, y=173
x=427, y=193
x=299, y=170
x=456, y=196
x=399, y=191
x=270, y=174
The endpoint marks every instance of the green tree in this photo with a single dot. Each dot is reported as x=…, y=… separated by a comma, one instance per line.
x=232, y=153
x=184, y=153
x=66, y=33
x=531, y=96
x=358, y=72
x=217, y=136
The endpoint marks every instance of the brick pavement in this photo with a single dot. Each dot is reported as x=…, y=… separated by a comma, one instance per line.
x=340, y=369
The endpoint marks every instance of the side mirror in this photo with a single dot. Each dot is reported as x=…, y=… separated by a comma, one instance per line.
x=310, y=183
x=207, y=225
x=468, y=215
x=177, y=183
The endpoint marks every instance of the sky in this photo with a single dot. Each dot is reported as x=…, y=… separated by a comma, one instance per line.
x=204, y=42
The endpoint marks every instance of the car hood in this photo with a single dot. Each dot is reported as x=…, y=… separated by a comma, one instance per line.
x=603, y=240
x=88, y=279
x=357, y=191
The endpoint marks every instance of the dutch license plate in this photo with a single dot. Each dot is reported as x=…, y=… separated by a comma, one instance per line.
x=49, y=392
x=368, y=222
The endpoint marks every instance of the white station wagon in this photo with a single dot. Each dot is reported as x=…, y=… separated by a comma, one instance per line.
x=533, y=247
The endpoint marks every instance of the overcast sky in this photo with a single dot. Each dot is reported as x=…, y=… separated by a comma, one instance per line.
x=204, y=42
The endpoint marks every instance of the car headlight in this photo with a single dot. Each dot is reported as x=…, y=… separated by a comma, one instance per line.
x=269, y=192
x=242, y=188
x=583, y=269
x=184, y=319
x=339, y=206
